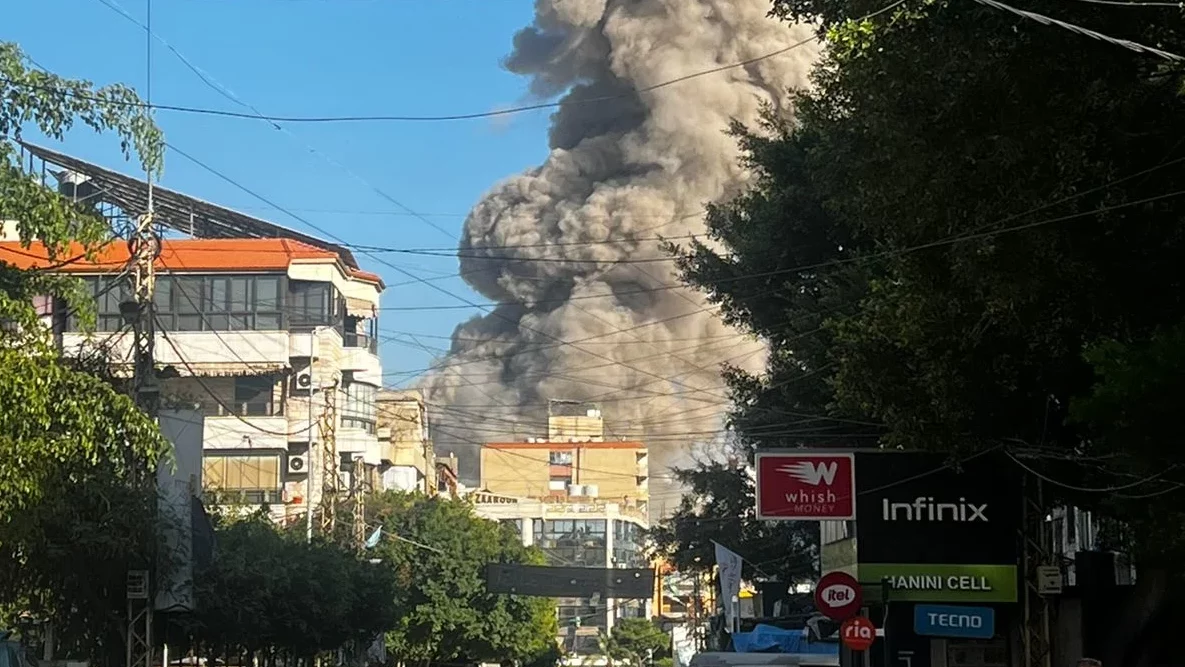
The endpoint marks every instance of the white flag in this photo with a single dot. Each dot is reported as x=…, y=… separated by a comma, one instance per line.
x=729, y=564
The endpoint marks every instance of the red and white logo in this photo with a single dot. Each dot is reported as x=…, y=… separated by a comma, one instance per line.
x=857, y=633
x=806, y=486
x=838, y=596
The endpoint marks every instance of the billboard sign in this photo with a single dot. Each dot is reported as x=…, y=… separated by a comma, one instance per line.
x=914, y=582
x=920, y=507
x=838, y=596
x=806, y=485
x=934, y=620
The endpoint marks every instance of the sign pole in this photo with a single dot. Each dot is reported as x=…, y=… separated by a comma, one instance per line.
x=885, y=589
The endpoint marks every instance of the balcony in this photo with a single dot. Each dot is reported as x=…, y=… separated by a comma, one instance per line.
x=197, y=349
x=253, y=425
x=360, y=355
x=362, y=341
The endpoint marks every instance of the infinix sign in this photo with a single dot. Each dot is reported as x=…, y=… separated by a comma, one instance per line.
x=925, y=509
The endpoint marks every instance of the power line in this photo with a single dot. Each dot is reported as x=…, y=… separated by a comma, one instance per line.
x=256, y=113
x=1045, y=20
x=438, y=118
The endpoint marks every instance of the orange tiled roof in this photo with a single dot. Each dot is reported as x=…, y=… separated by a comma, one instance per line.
x=184, y=255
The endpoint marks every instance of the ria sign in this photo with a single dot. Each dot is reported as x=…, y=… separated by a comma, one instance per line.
x=838, y=596
x=857, y=633
x=806, y=486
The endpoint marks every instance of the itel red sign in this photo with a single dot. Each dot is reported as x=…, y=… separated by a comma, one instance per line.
x=838, y=596
x=806, y=486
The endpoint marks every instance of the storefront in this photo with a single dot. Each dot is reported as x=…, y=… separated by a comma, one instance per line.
x=936, y=551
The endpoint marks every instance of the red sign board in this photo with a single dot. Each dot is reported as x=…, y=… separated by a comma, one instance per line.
x=857, y=633
x=838, y=596
x=806, y=486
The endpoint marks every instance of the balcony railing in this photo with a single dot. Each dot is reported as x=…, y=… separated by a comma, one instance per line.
x=355, y=339
x=241, y=409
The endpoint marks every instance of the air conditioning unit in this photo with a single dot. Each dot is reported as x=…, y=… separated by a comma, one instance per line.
x=576, y=490
x=302, y=383
x=298, y=464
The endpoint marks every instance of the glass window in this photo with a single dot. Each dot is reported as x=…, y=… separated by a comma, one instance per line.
x=572, y=542
x=628, y=545
x=359, y=408
x=313, y=304
x=242, y=478
x=267, y=294
x=189, y=294
x=240, y=295
x=254, y=396
x=563, y=458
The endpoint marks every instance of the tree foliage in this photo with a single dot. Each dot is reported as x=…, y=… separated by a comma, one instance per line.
x=636, y=642
x=437, y=549
x=75, y=455
x=267, y=591
x=969, y=237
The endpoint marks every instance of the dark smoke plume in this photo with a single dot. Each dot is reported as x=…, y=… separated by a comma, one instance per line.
x=567, y=242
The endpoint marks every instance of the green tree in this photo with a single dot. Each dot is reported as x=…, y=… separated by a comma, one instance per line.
x=639, y=641
x=719, y=507
x=969, y=237
x=76, y=457
x=272, y=594
x=438, y=550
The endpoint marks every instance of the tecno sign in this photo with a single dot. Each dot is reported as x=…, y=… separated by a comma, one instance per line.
x=806, y=486
x=925, y=508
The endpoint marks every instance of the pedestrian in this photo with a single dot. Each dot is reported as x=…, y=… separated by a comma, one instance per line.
x=1089, y=662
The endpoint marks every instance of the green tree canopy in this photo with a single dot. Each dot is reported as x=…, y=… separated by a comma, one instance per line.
x=637, y=641
x=438, y=549
x=76, y=457
x=273, y=592
x=970, y=237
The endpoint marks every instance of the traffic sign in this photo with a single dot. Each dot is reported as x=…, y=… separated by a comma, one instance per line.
x=857, y=633
x=936, y=620
x=838, y=596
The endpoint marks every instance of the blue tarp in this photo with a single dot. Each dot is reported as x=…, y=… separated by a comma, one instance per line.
x=770, y=639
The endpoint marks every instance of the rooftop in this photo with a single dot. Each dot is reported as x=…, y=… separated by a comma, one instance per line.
x=176, y=211
x=184, y=255
x=565, y=445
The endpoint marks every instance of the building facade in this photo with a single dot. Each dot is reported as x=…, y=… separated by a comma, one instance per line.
x=582, y=500
x=272, y=340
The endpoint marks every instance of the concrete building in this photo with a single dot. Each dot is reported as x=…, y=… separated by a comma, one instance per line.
x=574, y=461
x=582, y=500
x=269, y=333
x=410, y=461
x=255, y=333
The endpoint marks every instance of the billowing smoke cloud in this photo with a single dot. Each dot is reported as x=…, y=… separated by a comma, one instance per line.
x=572, y=244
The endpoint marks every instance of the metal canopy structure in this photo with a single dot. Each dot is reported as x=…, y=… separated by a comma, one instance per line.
x=174, y=210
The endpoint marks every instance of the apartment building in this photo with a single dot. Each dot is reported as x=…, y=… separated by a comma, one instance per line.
x=270, y=333
x=574, y=461
x=411, y=463
x=580, y=499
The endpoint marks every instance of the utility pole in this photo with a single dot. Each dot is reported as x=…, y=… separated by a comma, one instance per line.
x=357, y=488
x=1036, y=544
x=144, y=248
x=330, y=464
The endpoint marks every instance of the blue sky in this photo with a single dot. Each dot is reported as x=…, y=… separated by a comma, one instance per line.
x=319, y=57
